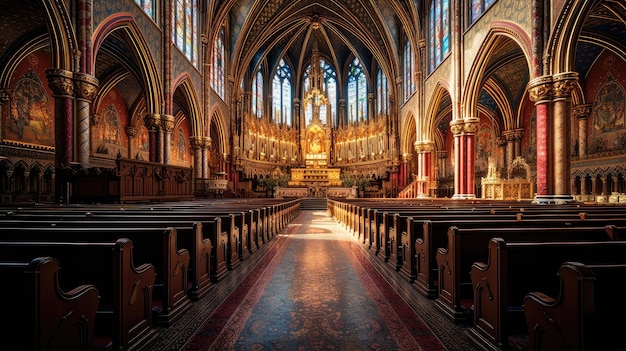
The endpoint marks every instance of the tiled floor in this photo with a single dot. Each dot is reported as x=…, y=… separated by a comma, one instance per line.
x=314, y=288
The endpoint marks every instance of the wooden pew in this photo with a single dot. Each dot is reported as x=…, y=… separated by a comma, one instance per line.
x=586, y=312
x=468, y=245
x=154, y=245
x=429, y=235
x=49, y=318
x=124, y=316
x=513, y=270
x=197, y=237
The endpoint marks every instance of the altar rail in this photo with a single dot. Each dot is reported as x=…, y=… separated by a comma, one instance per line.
x=134, y=181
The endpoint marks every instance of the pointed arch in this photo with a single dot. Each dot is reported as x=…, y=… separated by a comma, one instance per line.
x=63, y=43
x=219, y=126
x=499, y=32
x=185, y=83
x=409, y=135
x=562, y=46
x=148, y=72
x=429, y=125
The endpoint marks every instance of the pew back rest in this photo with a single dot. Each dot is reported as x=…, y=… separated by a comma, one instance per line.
x=532, y=264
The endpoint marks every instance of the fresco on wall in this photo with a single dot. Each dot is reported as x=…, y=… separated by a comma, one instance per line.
x=485, y=147
x=140, y=143
x=107, y=134
x=607, y=115
x=181, y=150
x=608, y=108
x=30, y=119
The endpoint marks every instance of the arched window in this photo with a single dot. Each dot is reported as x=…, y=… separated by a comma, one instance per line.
x=330, y=82
x=281, y=94
x=148, y=6
x=357, y=92
x=409, y=84
x=257, y=94
x=328, y=88
x=439, y=30
x=477, y=8
x=382, y=92
x=217, y=76
x=186, y=30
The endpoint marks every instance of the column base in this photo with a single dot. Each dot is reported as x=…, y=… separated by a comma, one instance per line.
x=553, y=199
x=464, y=196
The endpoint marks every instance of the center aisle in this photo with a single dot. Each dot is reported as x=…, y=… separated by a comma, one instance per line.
x=314, y=289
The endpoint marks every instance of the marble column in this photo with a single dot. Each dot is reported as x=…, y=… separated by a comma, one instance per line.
x=167, y=125
x=540, y=92
x=206, y=144
x=132, y=133
x=62, y=86
x=582, y=112
x=152, y=122
x=85, y=88
x=464, y=131
x=196, y=146
x=564, y=84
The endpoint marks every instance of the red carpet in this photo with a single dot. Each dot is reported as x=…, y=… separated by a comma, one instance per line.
x=314, y=290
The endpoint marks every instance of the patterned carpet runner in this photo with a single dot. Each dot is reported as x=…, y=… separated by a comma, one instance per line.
x=315, y=290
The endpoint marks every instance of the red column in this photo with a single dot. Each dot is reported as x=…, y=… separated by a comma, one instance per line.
x=540, y=92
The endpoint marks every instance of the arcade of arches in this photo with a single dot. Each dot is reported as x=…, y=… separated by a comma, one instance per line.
x=150, y=99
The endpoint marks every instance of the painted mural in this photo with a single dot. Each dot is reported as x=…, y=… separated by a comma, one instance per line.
x=605, y=89
x=108, y=134
x=485, y=147
x=30, y=118
x=140, y=143
x=608, y=108
x=180, y=147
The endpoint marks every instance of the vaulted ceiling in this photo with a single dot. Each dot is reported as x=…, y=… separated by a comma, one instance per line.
x=269, y=29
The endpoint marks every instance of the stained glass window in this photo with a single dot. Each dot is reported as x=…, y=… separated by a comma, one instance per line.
x=328, y=88
x=330, y=82
x=185, y=34
x=257, y=94
x=281, y=94
x=147, y=6
x=477, y=8
x=357, y=92
x=217, y=76
x=382, y=89
x=409, y=83
x=439, y=30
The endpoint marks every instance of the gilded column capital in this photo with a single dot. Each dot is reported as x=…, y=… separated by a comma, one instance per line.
x=406, y=157
x=61, y=82
x=418, y=146
x=85, y=86
x=424, y=146
x=152, y=121
x=502, y=140
x=195, y=142
x=456, y=126
x=540, y=89
x=95, y=119
x=513, y=134
x=470, y=125
x=131, y=131
x=582, y=111
x=207, y=142
x=167, y=123
x=5, y=95
x=564, y=84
